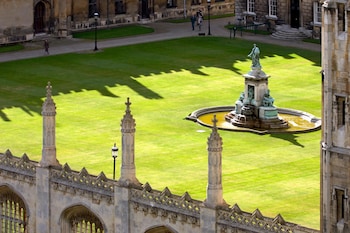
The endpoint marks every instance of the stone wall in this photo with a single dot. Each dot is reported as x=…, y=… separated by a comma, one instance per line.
x=16, y=20
x=144, y=208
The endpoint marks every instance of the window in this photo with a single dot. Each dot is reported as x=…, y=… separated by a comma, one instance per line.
x=341, y=17
x=12, y=213
x=92, y=8
x=250, y=6
x=272, y=7
x=340, y=196
x=340, y=102
x=79, y=219
x=119, y=7
x=317, y=13
x=171, y=3
x=195, y=2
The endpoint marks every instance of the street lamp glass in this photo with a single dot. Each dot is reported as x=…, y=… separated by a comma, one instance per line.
x=115, y=151
x=208, y=1
x=96, y=15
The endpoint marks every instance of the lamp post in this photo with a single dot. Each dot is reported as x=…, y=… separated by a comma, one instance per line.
x=107, y=22
x=208, y=3
x=114, y=155
x=96, y=17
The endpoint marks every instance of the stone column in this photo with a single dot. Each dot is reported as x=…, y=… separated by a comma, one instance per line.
x=128, y=171
x=214, y=187
x=42, y=218
x=62, y=18
x=214, y=198
x=48, y=157
x=328, y=22
x=207, y=220
x=122, y=214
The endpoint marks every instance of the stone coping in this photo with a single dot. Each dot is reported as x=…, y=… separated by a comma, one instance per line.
x=316, y=122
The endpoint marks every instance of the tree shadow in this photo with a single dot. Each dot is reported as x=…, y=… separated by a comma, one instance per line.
x=23, y=82
x=292, y=138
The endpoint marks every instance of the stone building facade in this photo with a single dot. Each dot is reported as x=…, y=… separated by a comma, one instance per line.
x=335, y=155
x=295, y=13
x=21, y=20
x=47, y=197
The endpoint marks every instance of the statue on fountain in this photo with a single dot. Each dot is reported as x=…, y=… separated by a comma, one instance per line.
x=254, y=108
x=255, y=56
x=268, y=100
x=256, y=71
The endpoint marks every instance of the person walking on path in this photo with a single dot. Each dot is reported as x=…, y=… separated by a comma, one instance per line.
x=193, y=21
x=199, y=19
x=46, y=46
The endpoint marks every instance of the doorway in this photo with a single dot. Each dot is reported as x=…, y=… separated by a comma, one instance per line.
x=39, y=15
x=144, y=9
x=294, y=14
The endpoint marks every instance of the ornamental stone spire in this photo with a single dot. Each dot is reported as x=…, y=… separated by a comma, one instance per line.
x=128, y=171
x=214, y=187
x=48, y=157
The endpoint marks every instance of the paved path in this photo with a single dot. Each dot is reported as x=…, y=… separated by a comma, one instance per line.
x=163, y=31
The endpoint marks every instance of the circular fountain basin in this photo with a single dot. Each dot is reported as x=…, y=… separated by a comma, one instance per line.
x=298, y=121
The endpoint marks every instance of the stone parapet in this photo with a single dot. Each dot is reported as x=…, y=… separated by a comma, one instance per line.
x=21, y=168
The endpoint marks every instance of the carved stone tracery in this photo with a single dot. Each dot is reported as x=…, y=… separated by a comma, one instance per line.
x=166, y=205
x=83, y=184
x=22, y=169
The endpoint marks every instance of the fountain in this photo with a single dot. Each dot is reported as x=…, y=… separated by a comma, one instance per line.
x=254, y=111
x=254, y=108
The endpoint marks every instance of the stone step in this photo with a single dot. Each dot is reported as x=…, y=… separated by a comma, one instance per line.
x=289, y=35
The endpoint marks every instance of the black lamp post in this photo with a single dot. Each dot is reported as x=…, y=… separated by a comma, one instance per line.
x=114, y=155
x=107, y=22
x=208, y=2
x=96, y=17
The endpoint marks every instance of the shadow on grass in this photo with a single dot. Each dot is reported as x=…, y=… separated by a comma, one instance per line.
x=23, y=82
x=292, y=138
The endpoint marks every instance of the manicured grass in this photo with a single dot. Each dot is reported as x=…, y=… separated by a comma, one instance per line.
x=187, y=19
x=277, y=173
x=310, y=40
x=11, y=48
x=109, y=33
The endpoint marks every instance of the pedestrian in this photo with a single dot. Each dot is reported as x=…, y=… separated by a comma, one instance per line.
x=46, y=46
x=199, y=19
x=193, y=21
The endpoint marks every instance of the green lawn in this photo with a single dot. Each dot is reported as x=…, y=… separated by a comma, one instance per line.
x=11, y=48
x=277, y=173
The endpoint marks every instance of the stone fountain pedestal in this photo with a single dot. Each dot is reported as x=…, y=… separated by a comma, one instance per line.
x=254, y=108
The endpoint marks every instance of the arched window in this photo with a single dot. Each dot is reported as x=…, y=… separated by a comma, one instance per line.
x=80, y=219
x=12, y=212
x=160, y=229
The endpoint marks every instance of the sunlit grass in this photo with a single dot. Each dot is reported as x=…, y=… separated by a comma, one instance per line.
x=277, y=173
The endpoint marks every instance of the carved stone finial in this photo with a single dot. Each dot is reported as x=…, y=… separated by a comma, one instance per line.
x=214, y=122
x=48, y=90
x=49, y=106
x=128, y=122
x=128, y=103
x=214, y=140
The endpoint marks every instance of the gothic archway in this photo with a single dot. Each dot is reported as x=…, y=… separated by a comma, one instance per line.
x=13, y=217
x=160, y=229
x=80, y=219
x=39, y=17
